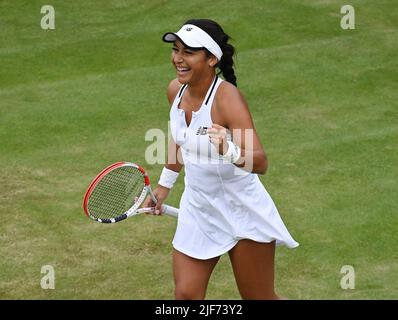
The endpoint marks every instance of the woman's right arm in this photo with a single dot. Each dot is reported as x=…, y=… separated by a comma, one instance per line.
x=174, y=159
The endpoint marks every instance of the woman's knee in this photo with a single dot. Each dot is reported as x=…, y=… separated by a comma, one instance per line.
x=185, y=293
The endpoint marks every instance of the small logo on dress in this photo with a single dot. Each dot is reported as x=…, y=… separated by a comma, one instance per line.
x=201, y=131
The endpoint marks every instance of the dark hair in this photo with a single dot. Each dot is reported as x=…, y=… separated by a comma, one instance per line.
x=214, y=30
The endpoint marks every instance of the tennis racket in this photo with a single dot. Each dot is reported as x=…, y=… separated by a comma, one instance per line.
x=117, y=193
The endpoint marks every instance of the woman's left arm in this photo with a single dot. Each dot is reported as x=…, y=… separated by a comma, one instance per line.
x=232, y=113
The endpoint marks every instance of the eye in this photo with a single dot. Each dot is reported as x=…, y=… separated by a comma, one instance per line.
x=188, y=52
x=174, y=49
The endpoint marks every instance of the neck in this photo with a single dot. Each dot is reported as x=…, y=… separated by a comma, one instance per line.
x=199, y=89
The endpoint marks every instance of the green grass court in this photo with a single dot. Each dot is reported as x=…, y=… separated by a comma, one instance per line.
x=77, y=98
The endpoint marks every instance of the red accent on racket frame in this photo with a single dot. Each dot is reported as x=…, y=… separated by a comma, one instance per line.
x=146, y=177
x=95, y=182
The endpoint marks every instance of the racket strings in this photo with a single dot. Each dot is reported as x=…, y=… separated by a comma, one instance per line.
x=116, y=193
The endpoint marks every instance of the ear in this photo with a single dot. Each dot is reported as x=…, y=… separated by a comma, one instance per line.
x=213, y=61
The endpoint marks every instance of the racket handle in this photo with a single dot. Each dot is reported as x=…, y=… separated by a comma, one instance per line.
x=169, y=210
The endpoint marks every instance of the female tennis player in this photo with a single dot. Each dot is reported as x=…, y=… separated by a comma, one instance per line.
x=224, y=207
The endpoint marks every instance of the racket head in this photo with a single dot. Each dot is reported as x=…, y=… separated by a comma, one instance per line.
x=116, y=192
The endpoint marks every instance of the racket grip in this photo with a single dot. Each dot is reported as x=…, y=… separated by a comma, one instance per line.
x=169, y=210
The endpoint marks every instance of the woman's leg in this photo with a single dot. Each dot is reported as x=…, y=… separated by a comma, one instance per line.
x=253, y=265
x=191, y=276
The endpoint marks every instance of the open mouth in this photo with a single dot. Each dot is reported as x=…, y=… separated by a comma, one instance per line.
x=182, y=70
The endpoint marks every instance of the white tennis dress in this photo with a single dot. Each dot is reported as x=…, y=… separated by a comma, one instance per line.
x=221, y=203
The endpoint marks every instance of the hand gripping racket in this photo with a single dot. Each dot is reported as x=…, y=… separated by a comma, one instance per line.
x=117, y=193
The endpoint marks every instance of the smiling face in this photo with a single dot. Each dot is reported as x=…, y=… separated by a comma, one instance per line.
x=192, y=65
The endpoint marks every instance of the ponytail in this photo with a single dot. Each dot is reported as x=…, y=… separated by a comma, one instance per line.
x=227, y=62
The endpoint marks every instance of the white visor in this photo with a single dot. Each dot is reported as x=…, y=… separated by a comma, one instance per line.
x=194, y=37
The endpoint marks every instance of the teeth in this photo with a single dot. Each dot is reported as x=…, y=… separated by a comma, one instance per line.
x=182, y=69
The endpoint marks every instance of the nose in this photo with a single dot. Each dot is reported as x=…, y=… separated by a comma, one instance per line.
x=177, y=58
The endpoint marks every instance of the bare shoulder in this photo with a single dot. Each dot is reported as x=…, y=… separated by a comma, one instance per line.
x=230, y=100
x=172, y=89
x=231, y=108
